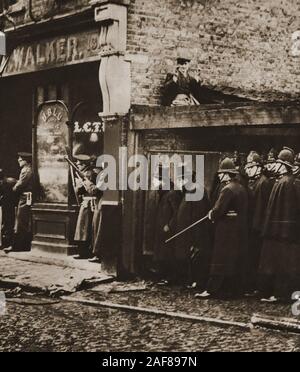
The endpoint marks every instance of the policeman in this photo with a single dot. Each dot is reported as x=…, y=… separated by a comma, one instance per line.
x=279, y=263
x=23, y=190
x=259, y=190
x=84, y=189
x=230, y=215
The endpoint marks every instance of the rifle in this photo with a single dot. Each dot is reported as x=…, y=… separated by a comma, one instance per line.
x=187, y=229
x=79, y=174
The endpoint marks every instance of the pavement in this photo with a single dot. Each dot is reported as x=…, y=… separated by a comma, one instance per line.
x=41, y=273
x=84, y=280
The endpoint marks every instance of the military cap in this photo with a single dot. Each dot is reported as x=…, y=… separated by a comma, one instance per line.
x=183, y=61
x=83, y=158
x=25, y=155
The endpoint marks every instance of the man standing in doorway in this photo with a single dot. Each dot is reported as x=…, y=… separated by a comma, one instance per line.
x=85, y=188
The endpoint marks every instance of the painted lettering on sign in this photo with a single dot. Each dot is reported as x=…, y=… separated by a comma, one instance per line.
x=89, y=127
x=78, y=48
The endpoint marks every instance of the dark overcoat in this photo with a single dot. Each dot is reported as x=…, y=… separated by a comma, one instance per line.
x=259, y=193
x=199, y=237
x=166, y=216
x=23, y=225
x=230, y=215
x=150, y=221
x=280, y=257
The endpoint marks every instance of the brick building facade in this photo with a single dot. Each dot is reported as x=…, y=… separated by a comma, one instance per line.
x=250, y=49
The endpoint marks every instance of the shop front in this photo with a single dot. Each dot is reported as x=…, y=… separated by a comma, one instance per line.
x=72, y=92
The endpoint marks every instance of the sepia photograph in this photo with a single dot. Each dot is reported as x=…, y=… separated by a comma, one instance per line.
x=149, y=179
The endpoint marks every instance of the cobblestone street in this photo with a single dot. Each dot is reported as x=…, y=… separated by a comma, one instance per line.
x=63, y=326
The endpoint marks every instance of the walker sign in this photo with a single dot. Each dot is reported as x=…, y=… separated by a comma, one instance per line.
x=2, y=44
x=71, y=49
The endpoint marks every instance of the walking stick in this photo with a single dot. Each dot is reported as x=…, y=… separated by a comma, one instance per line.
x=187, y=229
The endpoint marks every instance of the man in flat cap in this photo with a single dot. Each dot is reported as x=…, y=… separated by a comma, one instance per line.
x=85, y=190
x=259, y=190
x=230, y=216
x=23, y=190
x=280, y=259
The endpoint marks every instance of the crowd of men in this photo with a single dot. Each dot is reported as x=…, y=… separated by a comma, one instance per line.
x=16, y=200
x=249, y=244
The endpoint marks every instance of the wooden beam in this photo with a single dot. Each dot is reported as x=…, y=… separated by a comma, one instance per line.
x=240, y=115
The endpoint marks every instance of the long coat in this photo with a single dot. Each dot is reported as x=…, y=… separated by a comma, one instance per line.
x=230, y=215
x=150, y=221
x=8, y=202
x=97, y=228
x=83, y=232
x=192, y=266
x=259, y=193
x=280, y=257
x=199, y=237
x=166, y=216
x=23, y=225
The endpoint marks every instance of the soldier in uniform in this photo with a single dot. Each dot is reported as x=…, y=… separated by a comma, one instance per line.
x=23, y=191
x=165, y=227
x=280, y=259
x=192, y=250
x=230, y=216
x=259, y=189
x=85, y=190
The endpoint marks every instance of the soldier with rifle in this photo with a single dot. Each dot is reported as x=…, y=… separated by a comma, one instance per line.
x=85, y=181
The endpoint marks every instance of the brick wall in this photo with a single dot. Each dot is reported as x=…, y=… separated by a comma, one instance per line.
x=244, y=45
